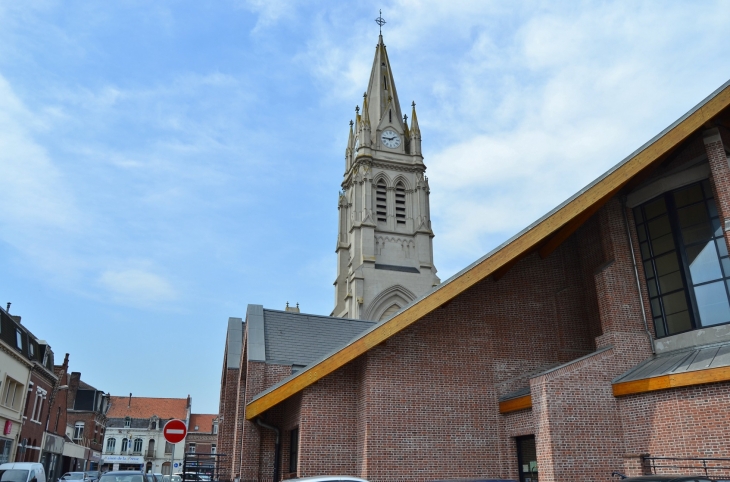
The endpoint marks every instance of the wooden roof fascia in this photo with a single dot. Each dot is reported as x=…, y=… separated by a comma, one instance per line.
x=500, y=272
x=567, y=231
x=512, y=405
x=524, y=242
x=674, y=380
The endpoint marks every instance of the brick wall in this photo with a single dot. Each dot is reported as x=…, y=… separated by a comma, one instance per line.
x=682, y=422
x=424, y=404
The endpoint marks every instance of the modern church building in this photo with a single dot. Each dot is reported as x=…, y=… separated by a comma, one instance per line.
x=595, y=340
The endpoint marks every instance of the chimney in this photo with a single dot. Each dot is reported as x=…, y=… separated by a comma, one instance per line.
x=129, y=405
x=291, y=309
x=7, y=309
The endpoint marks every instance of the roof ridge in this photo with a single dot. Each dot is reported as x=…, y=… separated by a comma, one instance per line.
x=318, y=316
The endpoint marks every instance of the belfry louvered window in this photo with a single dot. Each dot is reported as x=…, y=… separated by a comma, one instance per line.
x=400, y=203
x=381, y=201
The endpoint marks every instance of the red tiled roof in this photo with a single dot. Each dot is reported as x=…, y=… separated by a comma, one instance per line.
x=204, y=422
x=143, y=407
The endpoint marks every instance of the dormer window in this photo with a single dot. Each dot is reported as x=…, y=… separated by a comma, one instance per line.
x=127, y=422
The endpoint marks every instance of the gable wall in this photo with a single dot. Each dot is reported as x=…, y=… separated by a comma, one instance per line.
x=425, y=403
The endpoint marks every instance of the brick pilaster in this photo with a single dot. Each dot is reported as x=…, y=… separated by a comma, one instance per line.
x=720, y=168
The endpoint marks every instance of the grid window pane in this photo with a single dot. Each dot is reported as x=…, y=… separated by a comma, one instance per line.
x=721, y=246
x=659, y=227
x=674, y=303
x=726, y=266
x=655, y=208
x=704, y=265
x=712, y=207
x=685, y=260
x=679, y=322
x=651, y=284
x=712, y=303
x=666, y=264
x=689, y=195
x=663, y=244
x=671, y=282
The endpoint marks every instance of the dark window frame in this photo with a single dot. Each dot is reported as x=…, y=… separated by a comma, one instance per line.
x=647, y=247
x=293, y=449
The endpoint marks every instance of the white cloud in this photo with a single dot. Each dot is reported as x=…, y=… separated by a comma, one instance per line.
x=137, y=286
x=34, y=191
x=270, y=11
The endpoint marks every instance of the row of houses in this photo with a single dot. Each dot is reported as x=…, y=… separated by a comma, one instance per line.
x=49, y=415
x=134, y=437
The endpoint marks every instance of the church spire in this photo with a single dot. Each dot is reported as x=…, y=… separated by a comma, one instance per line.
x=381, y=94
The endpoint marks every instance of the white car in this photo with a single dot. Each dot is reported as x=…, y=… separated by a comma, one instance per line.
x=22, y=472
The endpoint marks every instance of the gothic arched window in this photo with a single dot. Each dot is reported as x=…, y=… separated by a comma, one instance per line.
x=381, y=201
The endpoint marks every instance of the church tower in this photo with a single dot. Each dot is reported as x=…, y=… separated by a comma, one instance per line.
x=384, y=240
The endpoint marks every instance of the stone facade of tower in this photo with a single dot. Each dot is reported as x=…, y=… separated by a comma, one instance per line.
x=384, y=240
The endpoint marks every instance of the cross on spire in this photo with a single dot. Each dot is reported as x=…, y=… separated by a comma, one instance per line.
x=380, y=21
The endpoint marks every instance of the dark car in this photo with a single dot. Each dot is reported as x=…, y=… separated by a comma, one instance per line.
x=74, y=476
x=124, y=476
x=668, y=478
x=475, y=480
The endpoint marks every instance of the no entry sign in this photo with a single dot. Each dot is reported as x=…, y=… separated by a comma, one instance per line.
x=175, y=431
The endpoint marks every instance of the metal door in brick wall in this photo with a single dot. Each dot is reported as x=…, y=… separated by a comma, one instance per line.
x=527, y=458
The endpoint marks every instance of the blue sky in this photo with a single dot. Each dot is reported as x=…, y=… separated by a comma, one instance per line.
x=164, y=164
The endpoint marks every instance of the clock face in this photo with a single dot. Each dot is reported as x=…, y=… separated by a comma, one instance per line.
x=390, y=139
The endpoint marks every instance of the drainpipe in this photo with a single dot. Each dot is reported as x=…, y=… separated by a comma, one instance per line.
x=636, y=273
x=277, y=447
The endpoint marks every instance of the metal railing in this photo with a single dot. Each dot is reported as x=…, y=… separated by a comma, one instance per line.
x=710, y=467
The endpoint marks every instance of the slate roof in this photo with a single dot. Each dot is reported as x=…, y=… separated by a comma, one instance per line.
x=688, y=360
x=85, y=386
x=204, y=422
x=300, y=339
x=144, y=407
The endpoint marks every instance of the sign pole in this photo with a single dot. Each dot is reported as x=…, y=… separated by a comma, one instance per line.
x=175, y=431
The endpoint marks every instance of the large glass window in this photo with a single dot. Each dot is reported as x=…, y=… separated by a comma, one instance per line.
x=138, y=445
x=111, y=444
x=685, y=260
x=125, y=445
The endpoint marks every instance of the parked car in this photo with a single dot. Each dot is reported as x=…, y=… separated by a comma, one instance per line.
x=192, y=477
x=123, y=476
x=92, y=475
x=667, y=478
x=22, y=472
x=329, y=478
x=474, y=480
x=74, y=476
